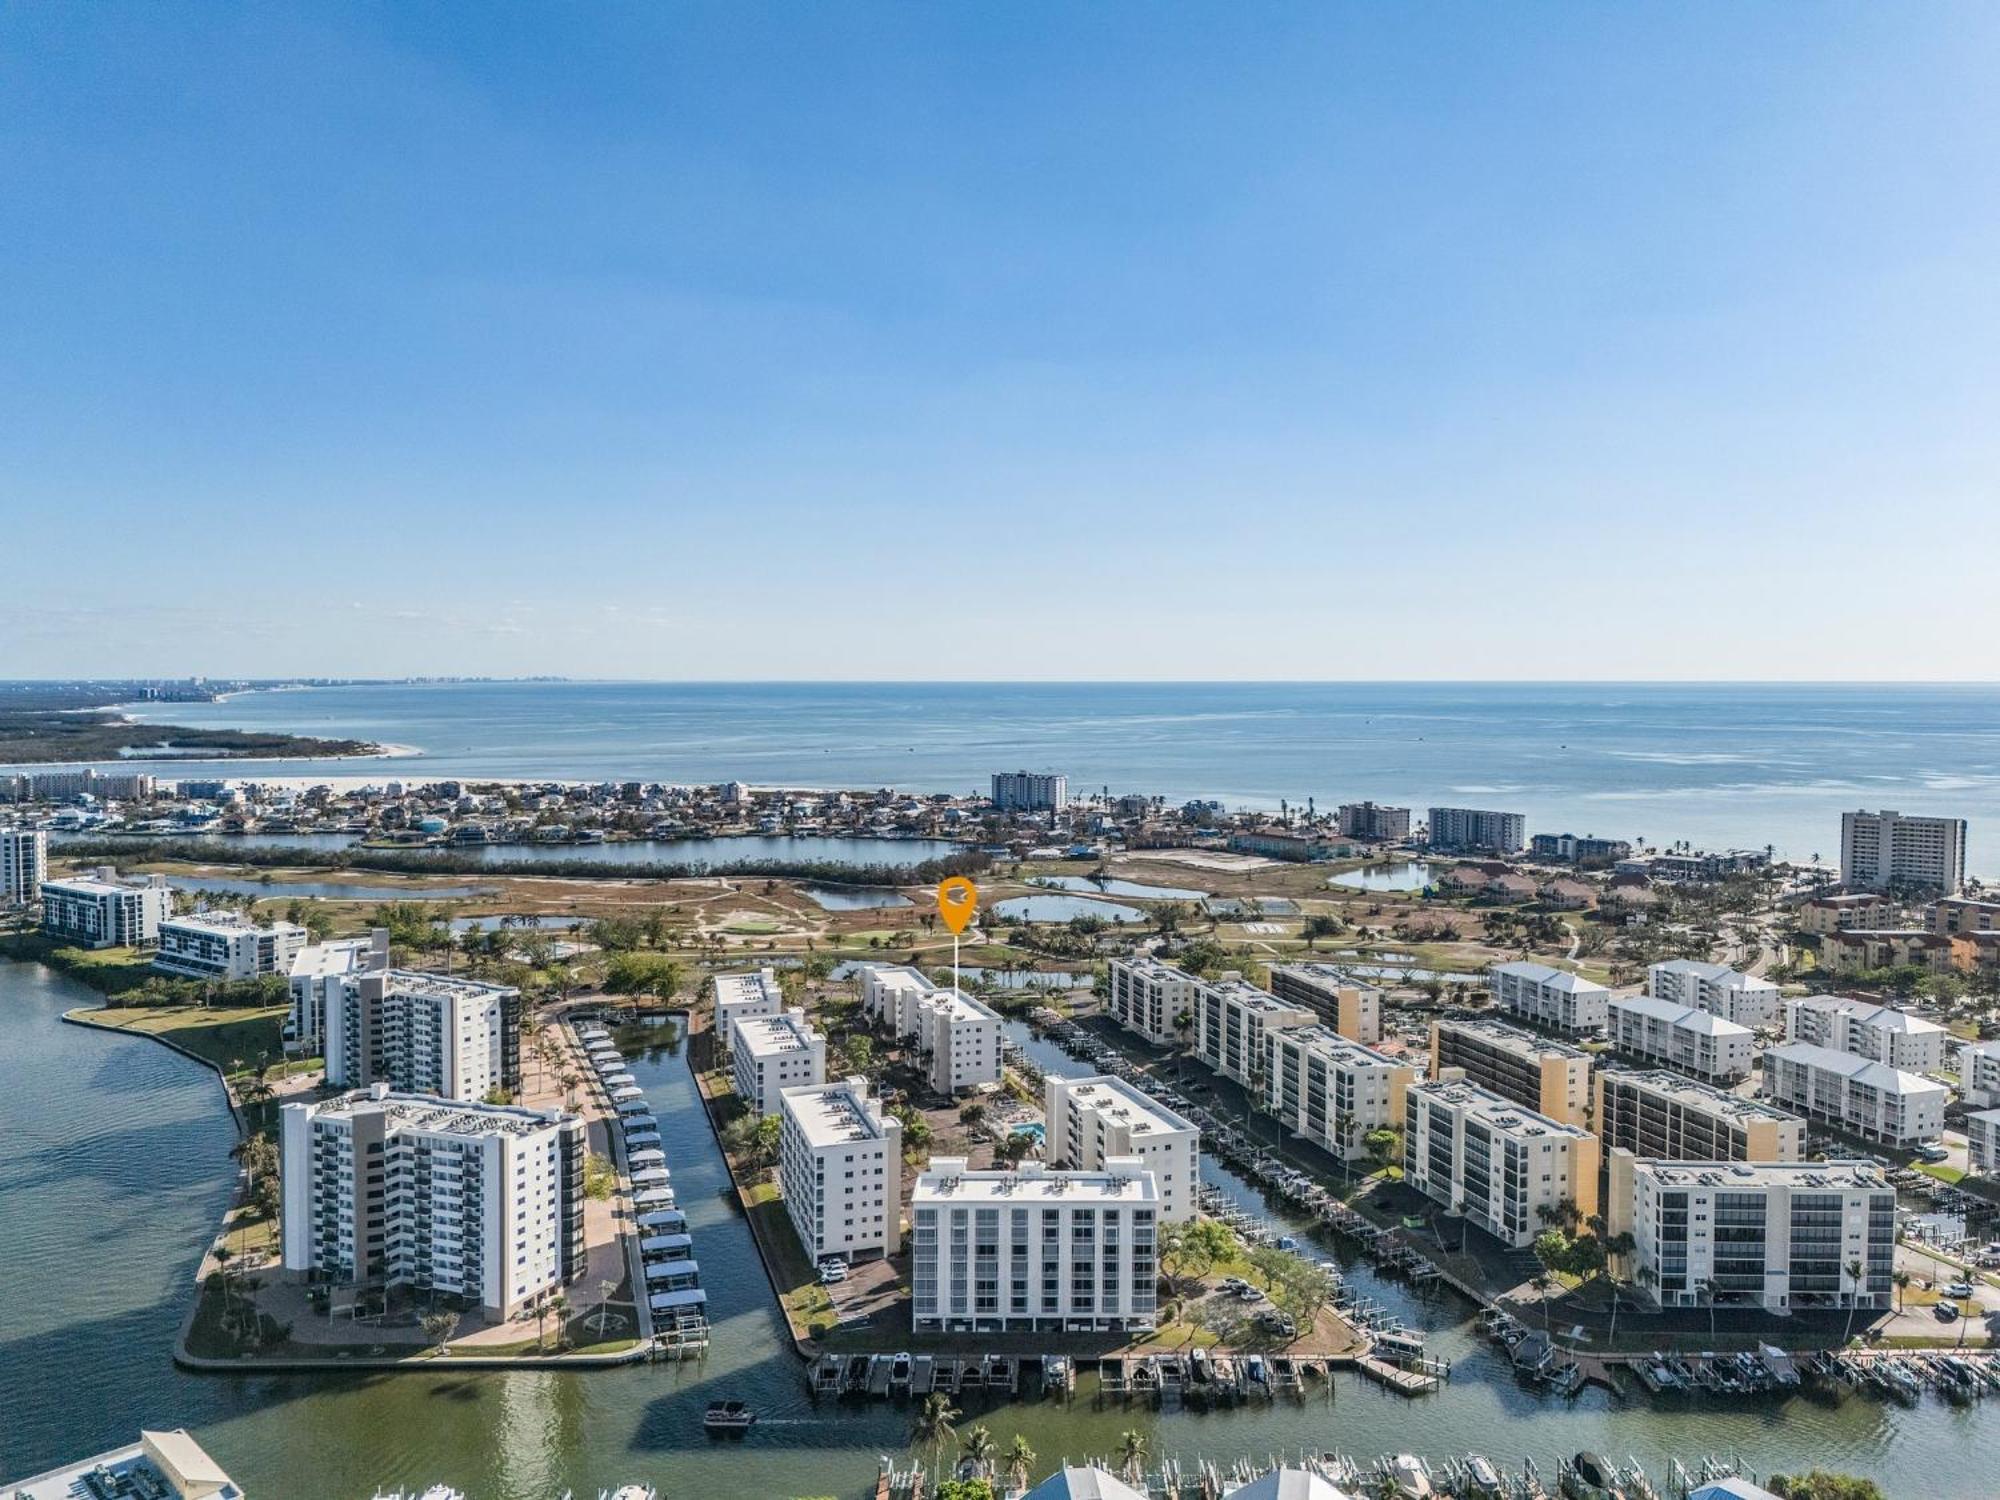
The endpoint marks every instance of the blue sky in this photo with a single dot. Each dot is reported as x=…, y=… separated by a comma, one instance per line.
x=1016, y=341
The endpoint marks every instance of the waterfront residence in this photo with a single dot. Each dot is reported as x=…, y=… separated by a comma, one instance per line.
x=478, y=1201
x=738, y=996
x=1333, y=1091
x=1778, y=1236
x=1376, y=824
x=1715, y=988
x=423, y=1034
x=960, y=1039
x=891, y=993
x=1482, y=1156
x=99, y=910
x=1979, y=1074
x=1982, y=1135
x=1148, y=997
x=225, y=945
x=1354, y=1009
x=318, y=972
x=773, y=1053
x=1824, y=915
x=1877, y=1032
x=1887, y=851
x=1029, y=791
x=1549, y=1077
x=1476, y=830
x=24, y=865
x=160, y=1466
x=1034, y=1249
x=1553, y=998
x=1092, y=1121
x=1657, y=1114
x=1678, y=1036
x=1231, y=1020
x=840, y=1168
x=1868, y=1099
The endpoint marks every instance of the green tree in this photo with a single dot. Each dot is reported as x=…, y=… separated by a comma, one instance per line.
x=1383, y=1147
x=1019, y=1461
x=1825, y=1484
x=965, y=1489
x=1195, y=1247
x=977, y=1447
x=439, y=1327
x=1132, y=1453
x=1319, y=926
x=937, y=1420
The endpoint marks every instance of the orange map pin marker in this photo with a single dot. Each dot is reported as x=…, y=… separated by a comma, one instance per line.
x=958, y=899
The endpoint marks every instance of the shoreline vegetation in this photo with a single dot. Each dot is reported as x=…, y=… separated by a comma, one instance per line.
x=42, y=725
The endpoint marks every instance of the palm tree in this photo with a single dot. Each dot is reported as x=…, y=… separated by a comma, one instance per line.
x=1020, y=1461
x=559, y=1306
x=977, y=1448
x=1343, y=1130
x=1855, y=1271
x=1706, y=1287
x=1132, y=1453
x=1902, y=1280
x=937, y=1420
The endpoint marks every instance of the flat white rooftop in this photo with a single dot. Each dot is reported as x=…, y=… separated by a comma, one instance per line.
x=1501, y=1115
x=323, y=960
x=948, y=1181
x=443, y=1116
x=1333, y=1048
x=735, y=989
x=171, y=1465
x=1127, y=1105
x=959, y=1006
x=1510, y=1038
x=1739, y=1174
x=831, y=1114
x=774, y=1036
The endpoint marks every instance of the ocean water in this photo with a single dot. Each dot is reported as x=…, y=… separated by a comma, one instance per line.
x=1718, y=765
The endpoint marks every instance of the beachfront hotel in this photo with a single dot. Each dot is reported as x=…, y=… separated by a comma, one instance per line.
x=479, y=1201
x=1148, y=996
x=1678, y=1036
x=1034, y=1249
x=1029, y=791
x=1879, y=1033
x=1779, y=1236
x=1333, y=1091
x=1715, y=988
x=1354, y=1009
x=100, y=911
x=24, y=864
x=1091, y=1121
x=840, y=1169
x=1868, y=1099
x=774, y=1053
x=1551, y=1078
x=1553, y=998
x=739, y=996
x=1887, y=851
x=317, y=974
x=422, y=1034
x=1657, y=1114
x=1231, y=1020
x=1482, y=1156
x=224, y=945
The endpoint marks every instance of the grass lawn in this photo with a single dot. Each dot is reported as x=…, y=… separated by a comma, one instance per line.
x=1940, y=1171
x=806, y=1301
x=235, y=1039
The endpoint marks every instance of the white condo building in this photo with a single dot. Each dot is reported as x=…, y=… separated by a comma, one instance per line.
x=1979, y=1074
x=1496, y=1163
x=1868, y=1099
x=890, y=994
x=1876, y=1032
x=317, y=975
x=423, y=1034
x=1333, y=1091
x=478, y=1201
x=1148, y=996
x=1092, y=1121
x=1887, y=851
x=24, y=865
x=1690, y=1041
x=840, y=1168
x=1554, y=998
x=1029, y=791
x=1779, y=1236
x=1476, y=829
x=99, y=911
x=1231, y=1019
x=773, y=1053
x=224, y=945
x=738, y=996
x=960, y=1038
x=1715, y=988
x=1982, y=1136
x=1034, y=1249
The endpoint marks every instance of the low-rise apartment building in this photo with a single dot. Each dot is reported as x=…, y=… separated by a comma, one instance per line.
x=483, y=1202
x=1858, y=950
x=1717, y=989
x=1877, y=1032
x=224, y=945
x=1979, y=1074
x=24, y=865
x=1868, y=1099
x=1954, y=915
x=1823, y=915
x=1660, y=1115
x=1982, y=1136
x=1354, y=1009
x=1551, y=1078
x=1093, y=1121
x=840, y=1169
x=1780, y=1237
x=1482, y=1156
x=101, y=911
x=1331, y=1090
x=739, y=996
x=1232, y=1018
x=1072, y=1252
x=773, y=1053
x=423, y=1034
x=1148, y=997
x=1553, y=998
x=1680, y=1037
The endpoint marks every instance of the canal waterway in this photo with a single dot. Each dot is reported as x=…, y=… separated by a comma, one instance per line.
x=114, y=1167
x=729, y=850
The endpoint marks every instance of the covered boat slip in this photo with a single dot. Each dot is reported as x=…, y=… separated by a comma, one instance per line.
x=674, y=1273
x=667, y=1246
x=664, y=1221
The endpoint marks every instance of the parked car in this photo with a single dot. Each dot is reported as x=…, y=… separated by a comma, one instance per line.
x=1933, y=1151
x=1947, y=1312
x=1250, y=1294
x=1960, y=1289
